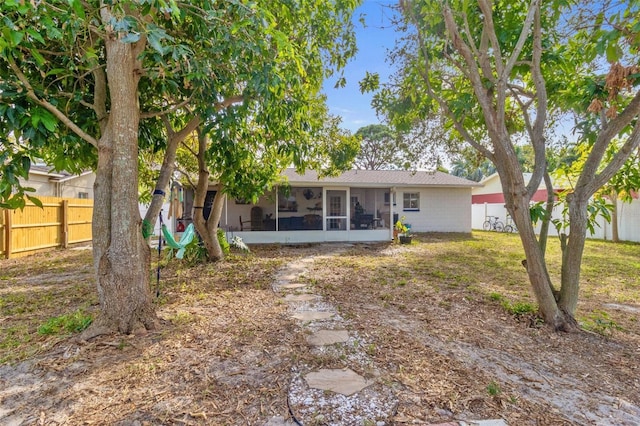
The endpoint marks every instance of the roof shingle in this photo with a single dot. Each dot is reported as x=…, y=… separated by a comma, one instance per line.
x=384, y=178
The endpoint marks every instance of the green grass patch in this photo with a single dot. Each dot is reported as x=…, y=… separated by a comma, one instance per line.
x=74, y=322
x=599, y=322
x=519, y=308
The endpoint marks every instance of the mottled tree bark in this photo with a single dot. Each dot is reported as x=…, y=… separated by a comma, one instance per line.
x=121, y=255
x=207, y=228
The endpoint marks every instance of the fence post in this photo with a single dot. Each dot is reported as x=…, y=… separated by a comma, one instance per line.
x=7, y=233
x=65, y=223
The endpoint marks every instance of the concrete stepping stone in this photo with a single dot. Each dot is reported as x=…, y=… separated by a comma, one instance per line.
x=312, y=315
x=279, y=421
x=344, y=381
x=300, y=297
x=292, y=286
x=492, y=422
x=289, y=277
x=328, y=337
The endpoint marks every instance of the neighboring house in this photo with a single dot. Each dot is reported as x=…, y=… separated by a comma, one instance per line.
x=488, y=200
x=359, y=205
x=60, y=184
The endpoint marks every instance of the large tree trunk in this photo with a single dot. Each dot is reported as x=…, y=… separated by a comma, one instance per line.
x=206, y=228
x=121, y=255
x=517, y=203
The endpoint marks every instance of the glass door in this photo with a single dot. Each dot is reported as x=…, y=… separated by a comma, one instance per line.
x=336, y=208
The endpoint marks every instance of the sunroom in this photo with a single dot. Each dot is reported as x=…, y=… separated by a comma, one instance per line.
x=358, y=206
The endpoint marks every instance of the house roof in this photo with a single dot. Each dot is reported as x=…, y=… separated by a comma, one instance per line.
x=383, y=178
x=61, y=176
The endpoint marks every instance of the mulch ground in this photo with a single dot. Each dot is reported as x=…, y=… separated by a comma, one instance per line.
x=226, y=346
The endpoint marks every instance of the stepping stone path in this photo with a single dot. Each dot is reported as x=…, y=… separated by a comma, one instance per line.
x=337, y=396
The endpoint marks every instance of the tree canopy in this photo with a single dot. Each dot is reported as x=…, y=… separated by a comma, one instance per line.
x=91, y=83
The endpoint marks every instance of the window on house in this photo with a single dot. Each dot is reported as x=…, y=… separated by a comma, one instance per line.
x=411, y=201
x=83, y=195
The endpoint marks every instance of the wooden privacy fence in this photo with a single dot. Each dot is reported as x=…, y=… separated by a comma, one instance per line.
x=59, y=223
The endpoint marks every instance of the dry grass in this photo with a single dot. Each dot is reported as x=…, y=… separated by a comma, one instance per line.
x=226, y=347
x=441, y=314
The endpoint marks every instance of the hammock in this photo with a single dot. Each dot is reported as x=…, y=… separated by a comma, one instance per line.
x=185, y=239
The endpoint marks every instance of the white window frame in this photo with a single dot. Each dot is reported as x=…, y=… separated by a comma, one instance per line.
x=409, y=198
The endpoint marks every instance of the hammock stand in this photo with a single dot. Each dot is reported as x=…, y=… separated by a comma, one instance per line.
x=170, y=241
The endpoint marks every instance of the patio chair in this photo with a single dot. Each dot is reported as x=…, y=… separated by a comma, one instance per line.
x=242, y=224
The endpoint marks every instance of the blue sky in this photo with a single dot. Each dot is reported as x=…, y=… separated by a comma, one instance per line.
x=373, y=42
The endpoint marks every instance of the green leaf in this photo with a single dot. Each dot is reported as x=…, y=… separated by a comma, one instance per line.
x=155, y=41
x=16, y=37
x=34, y=200
x=77, y=8
x=49, y=121
x=35, y=35
x=130, y=38
x=38, y=57
x=26, y=164
x=613, y=52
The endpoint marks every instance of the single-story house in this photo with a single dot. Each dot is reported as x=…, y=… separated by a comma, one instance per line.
x=48, y=183
x=488, y=200
x=359, y=205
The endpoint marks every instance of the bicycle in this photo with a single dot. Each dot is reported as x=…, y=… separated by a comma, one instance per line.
x=493, y=224
x=510, y=226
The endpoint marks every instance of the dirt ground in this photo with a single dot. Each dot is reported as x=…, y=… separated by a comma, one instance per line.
x=225, y=347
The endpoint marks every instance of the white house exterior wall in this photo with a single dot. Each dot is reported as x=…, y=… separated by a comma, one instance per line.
x=72, y=187
x=66, y=188
x=441, y=210
x=492, y=185
x=41, y=184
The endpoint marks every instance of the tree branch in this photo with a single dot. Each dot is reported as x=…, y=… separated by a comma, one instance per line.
x=151, y=114
x=534, y=9
x=482, y=94
x=443, y=104
x=537, y=137
x=485, y=8
x=618, y=160
x=49, y=107
x=586, y=182
x=226, y=103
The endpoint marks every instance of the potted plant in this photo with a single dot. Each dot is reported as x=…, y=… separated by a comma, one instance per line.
x=402, y=231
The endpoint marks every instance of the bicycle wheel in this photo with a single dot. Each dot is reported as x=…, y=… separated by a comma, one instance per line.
x=486, y=225
x=498, y=226
x=508, y=228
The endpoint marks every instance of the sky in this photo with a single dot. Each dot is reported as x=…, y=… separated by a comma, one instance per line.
x=373, y=42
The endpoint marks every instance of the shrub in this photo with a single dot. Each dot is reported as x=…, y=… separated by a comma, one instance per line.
x=222, y=239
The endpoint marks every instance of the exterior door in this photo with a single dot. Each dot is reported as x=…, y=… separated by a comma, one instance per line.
x=336, y=208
